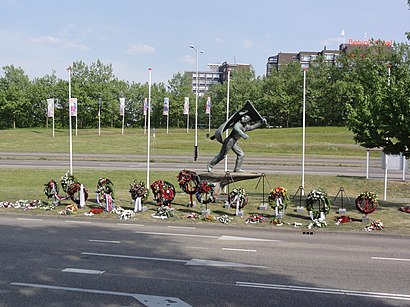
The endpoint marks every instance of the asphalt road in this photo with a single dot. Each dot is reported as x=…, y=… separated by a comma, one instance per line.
x=267, y=165
x=63, y=261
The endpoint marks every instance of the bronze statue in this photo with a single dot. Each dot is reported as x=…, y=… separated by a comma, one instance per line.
x=240, y=123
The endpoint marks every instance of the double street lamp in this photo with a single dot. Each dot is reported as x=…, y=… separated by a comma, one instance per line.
x=196, y=103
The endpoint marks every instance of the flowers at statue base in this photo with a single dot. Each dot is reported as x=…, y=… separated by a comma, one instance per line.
x=94, y=211
x=366, y=202
x=124, y=214
x=69, y=210
x=163, y=212
x=193, y=215
x=138, y=189
x=225, y=219
x=164, y=192
x=278, y=198
x=342, y=219
x=205, y=192
x=277, y=222
x=255, y=218
x=405, y=209
x=188, y=181
x=317, y=223
x=376, y=225
x=238, y=197
x=320, y=197
x=28, y=205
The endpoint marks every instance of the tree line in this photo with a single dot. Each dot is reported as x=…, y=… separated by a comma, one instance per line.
x=367, y=90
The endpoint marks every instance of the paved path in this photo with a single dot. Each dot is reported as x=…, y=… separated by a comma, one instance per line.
x=261, y=164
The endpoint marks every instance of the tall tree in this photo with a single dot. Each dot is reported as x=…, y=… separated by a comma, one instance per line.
x=15, y=106
x=379, y=116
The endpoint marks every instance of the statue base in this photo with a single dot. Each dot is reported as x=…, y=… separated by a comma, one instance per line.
x=222, y=179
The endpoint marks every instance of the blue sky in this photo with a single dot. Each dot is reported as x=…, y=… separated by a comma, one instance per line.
x=42, y=36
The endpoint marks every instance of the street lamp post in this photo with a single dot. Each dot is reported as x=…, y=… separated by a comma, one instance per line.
x=196, y=104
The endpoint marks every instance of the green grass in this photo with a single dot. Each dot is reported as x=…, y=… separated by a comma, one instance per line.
x=320, y=142
x=28, y=184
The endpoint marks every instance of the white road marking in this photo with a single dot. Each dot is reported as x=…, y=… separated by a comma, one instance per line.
x=181, y=227
x=79, y=222
x=390, y=259
x=175, y=234
x=82, y=271
x=239, y=249
x=137, y=225
x=325, y=290
x=204, y=262
x=198, y=262
x=147, y=300
x=105, y=241
x=232, y=238
x=28, y=219
x=133, y=257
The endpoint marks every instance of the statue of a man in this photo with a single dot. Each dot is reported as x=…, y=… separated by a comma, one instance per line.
x=238, y=131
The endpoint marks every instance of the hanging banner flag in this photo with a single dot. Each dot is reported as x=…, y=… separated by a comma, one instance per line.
x=99, y=107
x=166, y=106
x=145, y=106
x=73, y=107
x=50, y=107
x=208, y=106
x=186, y=106
x=122, y=106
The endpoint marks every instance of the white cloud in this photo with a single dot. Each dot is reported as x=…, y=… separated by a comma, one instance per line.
x=140, y=49
x=188, y=59
x=331, y=42
x=247, y=43
x=56, y=41
x=219, y=40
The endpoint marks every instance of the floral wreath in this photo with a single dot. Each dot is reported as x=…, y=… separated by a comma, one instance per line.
x=72, y=187
x=205, y=192
x=67, y=180
x=370, y=202
x=104, y=188
x=51, y=189
x=320, y=197
x=73, y=192
x=238, y=194
x=278, y=198
x=138, y=189
x=188, y=181
x=164, y=192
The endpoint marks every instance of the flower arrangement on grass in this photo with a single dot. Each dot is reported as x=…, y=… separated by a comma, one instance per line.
x=205, y=192
x=163, y=212
x=164, y=192
x=238, y=197
x=72, y=187
x=278, y=198
x=366, y=202
x=105, y=188
x=138, y=190
x=320, y=197
x=188, y=181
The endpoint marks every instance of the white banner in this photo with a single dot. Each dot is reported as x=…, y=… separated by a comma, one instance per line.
x=166, y=106
x=186, y=106
x=208, y=106
x=145, y=106
x=50, y=107
x=122, y=106
x=73, y=107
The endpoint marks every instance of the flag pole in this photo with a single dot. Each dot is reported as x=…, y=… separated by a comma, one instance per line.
x=303, y=132
x=227, y=113
x=149, y=124
x=70, y=125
